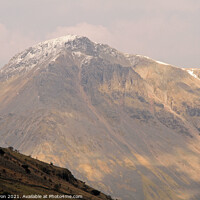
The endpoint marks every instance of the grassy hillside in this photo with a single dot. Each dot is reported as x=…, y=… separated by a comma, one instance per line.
x=22, y=175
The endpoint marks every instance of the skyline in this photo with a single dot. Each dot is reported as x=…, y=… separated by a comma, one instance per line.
x=164, y=31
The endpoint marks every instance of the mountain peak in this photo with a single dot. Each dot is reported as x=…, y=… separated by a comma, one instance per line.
x=47, y=50
x=60, y=41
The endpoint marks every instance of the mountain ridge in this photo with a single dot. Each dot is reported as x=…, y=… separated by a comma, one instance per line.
x=55, y=46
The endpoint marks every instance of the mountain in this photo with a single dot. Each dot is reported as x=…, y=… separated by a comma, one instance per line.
x=24, y=177
x=126, y=124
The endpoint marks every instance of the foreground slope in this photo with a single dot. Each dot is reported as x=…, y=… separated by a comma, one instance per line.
x=126, y=124
x=22, y=175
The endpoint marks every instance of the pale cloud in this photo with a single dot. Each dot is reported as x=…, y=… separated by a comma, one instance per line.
x=12, y=42
x=169, y=40
x=156, y=38
x=96, y=33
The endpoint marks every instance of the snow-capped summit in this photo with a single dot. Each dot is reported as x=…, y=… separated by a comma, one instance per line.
x=48, y=51
x=44, y=51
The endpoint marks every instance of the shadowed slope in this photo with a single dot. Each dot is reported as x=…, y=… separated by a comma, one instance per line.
x=22, y=175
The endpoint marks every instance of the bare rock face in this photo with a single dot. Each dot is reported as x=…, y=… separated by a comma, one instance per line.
x=126, y=124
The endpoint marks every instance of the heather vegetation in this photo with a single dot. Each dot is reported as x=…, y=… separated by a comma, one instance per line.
x=22, y=175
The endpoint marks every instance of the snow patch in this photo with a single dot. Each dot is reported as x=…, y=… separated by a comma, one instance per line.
x=143, y=56
x=162, y=63
x=159, y=62
x=78, y=53
x=191, y=72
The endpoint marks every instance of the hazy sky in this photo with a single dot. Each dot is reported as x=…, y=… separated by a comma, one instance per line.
x=165, y=30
